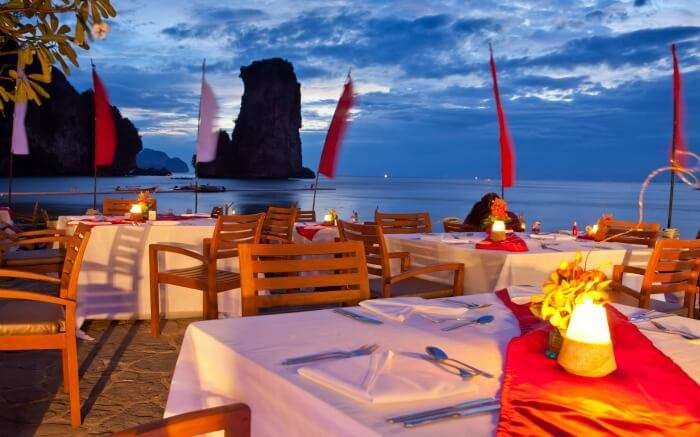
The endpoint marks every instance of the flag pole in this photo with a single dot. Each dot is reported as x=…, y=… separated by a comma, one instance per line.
x=196, y=160
x=676, y=127
x=94, y=137
x=313, y=203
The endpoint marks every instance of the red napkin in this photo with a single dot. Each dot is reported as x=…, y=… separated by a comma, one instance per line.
x=585, y=237
x=308, y=232
x=648, y=394
x=512, y=243
x=176, y=217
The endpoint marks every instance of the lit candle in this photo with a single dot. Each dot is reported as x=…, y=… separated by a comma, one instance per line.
x=594, y=229
x=498, y=231
x=327, y=218
x=135, y=213
x=587, y=349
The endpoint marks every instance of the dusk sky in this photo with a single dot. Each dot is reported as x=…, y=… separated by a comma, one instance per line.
x=586, y=85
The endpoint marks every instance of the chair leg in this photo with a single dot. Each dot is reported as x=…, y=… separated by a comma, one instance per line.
x=64, y=364
x=71, y=352
x=155, y=307
x=211, y=305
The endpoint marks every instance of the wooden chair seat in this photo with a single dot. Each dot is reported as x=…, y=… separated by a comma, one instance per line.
x=23, y=258
x=25, y=317
x=412, y=287
x=196, y=277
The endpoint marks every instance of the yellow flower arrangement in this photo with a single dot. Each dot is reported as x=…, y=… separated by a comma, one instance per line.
x=566, y=287
x=145, y=201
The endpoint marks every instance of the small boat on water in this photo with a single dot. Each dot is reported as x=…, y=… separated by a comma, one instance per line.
x=182, y=178
x=135, y=188
x=206, y=188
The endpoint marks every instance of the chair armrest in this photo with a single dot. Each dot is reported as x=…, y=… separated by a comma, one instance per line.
x=405, y=259
x=21, y=274
x=157, y=247
x=447, y=267
x=620, y=270
x=37, y=297
x=62, y=239
x=43, y=232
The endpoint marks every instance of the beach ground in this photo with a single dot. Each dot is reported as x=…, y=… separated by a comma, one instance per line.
x=124, y=379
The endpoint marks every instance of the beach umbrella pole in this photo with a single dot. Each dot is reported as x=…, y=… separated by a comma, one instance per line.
x=313, y=202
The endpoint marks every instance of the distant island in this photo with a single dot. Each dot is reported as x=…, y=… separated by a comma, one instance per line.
x=265, y=142
x=156, y=163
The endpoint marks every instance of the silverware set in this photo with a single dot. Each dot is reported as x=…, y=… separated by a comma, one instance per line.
x=646, y=316
x=483, y=320
x=666, y=330
x=470, y=305
x=550, y=246
x=462, y=409
x=355, y=316
x=366, y=349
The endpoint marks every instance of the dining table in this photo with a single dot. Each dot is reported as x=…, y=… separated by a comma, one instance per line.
x=114, y=276
x=242, y=360
x=486, y=269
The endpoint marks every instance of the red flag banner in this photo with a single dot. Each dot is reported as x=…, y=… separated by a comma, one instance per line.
x=678, y=142
x=339, y=124
x=507, y=146
x=105, y=135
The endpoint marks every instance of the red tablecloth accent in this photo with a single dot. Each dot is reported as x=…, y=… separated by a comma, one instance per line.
x=176, y=217
x=512, y=243
x=526, y=319
x=648, y=394
x=308, y=232
x=585, y=237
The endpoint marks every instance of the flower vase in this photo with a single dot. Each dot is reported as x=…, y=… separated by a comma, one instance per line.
x=554, y=342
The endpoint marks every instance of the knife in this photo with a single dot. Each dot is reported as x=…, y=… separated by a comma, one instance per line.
x=358, y=317
x=451, y=408
x=461, y=413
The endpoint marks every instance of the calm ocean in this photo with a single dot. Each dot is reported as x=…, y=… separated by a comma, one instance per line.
x=557, y=204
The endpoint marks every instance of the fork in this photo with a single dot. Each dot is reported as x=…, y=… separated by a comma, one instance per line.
x=470, y=305
x=365, y=349
x=547, y=246
x=684, y=334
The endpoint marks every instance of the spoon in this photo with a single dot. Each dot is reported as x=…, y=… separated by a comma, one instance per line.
x=439, y=355
x=480, y=321
x=463, y=373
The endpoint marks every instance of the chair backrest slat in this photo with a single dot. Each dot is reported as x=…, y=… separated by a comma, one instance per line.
x=339, y=275
x=279, y=223
x=674, y=266
x=628, y=232
x=411, y=223
x=457, y=226
x=75, y=250
x=372, y=238
x=307, y=216
x=232, y=230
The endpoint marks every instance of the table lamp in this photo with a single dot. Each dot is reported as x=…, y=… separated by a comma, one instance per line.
x=498, y=231
x=136, y=213
x=587, y=349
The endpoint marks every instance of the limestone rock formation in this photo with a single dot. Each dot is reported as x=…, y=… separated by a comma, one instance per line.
x=61, y=135
x=265, y=141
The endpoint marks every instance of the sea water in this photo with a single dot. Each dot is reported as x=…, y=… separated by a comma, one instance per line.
x=556, y=203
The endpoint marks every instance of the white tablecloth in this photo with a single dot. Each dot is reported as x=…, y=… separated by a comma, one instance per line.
x=494, y=270
x=5, y=216
x=238, y=360
x=114, y=279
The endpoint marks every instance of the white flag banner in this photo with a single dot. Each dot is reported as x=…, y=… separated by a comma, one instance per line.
x=207, y=137
x=20, y=145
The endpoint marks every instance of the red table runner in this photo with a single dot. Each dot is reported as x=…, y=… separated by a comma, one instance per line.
x=308, y=232
x=512, y=243
x=648, y=394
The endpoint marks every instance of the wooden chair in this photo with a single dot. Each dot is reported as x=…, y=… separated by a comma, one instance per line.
x=229, y=232
x=233, y=419
x=306, y=216
x=412, y=223
x=115, y=206
x=42, y=257
x=452, y=225
x=407, y=282
x=634, y=233
x=674, y=266
x=302, y=275
x=30, y=320
x=279, y=224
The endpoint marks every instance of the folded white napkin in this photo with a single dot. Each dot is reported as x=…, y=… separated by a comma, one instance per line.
x=386, y=377
x=401, y=308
